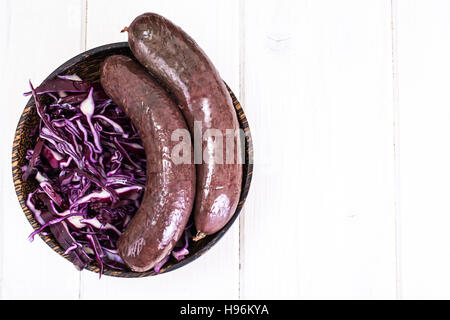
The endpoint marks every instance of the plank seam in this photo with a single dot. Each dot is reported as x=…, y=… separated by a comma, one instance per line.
x=83, y=45
x=85, y=24
x=396, y=118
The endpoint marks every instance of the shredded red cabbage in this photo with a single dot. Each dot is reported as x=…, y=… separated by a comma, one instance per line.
x=90, y=166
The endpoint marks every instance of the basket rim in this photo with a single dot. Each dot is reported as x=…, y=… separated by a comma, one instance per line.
x=51, y=242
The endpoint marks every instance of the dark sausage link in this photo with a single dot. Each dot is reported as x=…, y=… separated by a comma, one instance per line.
x=176, y=60
x=168, y=199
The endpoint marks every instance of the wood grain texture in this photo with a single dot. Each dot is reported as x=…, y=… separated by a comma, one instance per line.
x=218, y=35
x=423, y=51
x=28, y=270
x=318, y=93
x=327, y=97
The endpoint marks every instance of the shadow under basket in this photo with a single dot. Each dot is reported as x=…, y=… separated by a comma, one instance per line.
x=87, y=66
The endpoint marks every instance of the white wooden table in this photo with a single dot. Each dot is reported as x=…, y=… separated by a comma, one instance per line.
x=349, y=107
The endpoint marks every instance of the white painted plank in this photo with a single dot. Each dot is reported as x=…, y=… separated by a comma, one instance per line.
x=214, y=25
x=4, y=27
x=423, y=51
x=320, y=219
x=37, y=36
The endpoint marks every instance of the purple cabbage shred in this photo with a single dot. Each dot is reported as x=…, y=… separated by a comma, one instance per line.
x=89, y=165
